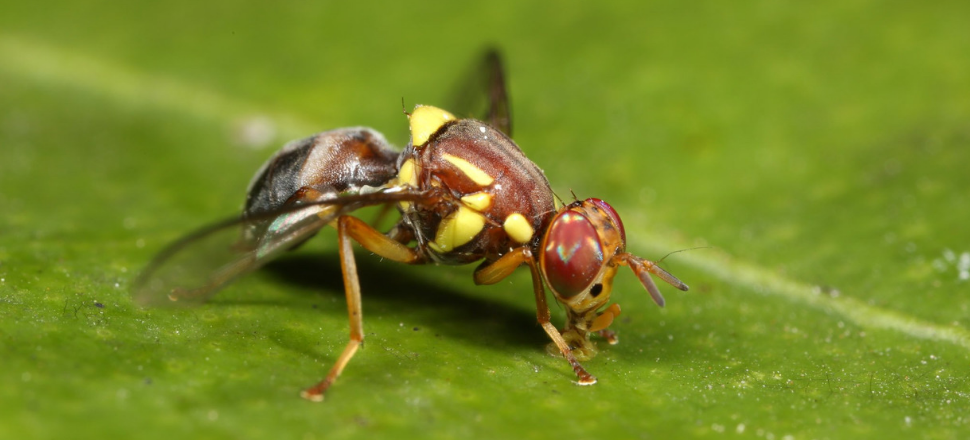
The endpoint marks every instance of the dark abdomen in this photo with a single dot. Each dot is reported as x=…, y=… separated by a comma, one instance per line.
x=331, y=162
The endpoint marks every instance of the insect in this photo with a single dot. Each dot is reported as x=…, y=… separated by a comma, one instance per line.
x=465, y=193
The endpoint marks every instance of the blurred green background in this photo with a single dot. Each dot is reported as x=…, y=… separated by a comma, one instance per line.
x=820, y=150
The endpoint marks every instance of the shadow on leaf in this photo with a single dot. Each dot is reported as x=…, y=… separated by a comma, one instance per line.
x=395, y=289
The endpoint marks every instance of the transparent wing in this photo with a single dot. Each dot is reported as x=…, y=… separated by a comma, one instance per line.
x=484, y=95
x=195, y=267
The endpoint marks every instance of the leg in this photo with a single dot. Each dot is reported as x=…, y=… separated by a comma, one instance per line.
x=501, y=268
x=602, y=322
x=609, y=335
x=349, y=228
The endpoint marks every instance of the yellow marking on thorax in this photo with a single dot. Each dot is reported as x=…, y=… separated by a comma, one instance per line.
x=479, y=201
x=518, y=228
x=456, y=229
x=407, y=175
x=469, y=169
x=424, y=121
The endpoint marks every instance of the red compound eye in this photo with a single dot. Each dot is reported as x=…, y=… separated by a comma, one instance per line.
x=613, y=215
x=572, y=254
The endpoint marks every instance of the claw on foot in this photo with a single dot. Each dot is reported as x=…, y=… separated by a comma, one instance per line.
x=311, y=395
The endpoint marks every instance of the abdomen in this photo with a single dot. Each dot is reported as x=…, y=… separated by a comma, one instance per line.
x=331, y=162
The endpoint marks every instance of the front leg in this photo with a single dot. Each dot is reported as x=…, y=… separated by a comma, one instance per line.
x=351, y=228
x=491, y=273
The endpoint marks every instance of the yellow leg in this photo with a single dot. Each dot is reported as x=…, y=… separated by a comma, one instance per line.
x=352, y=228
x=502, y=268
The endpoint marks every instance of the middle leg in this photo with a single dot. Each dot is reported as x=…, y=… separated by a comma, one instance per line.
x=503, y=267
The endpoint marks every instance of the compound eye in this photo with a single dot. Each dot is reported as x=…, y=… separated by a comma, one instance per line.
x=572, y=254
x=612, y=213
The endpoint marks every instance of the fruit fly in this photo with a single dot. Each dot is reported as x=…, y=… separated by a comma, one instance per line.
x=465, y=193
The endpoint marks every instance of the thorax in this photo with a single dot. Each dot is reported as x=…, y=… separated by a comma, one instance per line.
x=493, y=198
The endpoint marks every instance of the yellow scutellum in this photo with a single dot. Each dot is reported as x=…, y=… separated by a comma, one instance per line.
x=424, y=121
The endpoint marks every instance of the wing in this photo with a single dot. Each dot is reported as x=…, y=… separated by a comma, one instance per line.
x=484, y=95
x=195, y=267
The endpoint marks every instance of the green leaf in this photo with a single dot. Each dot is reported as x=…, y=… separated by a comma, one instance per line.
x=815, y=154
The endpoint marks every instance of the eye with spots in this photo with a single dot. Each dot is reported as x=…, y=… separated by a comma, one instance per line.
x=572, y=255
x=611, y=213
